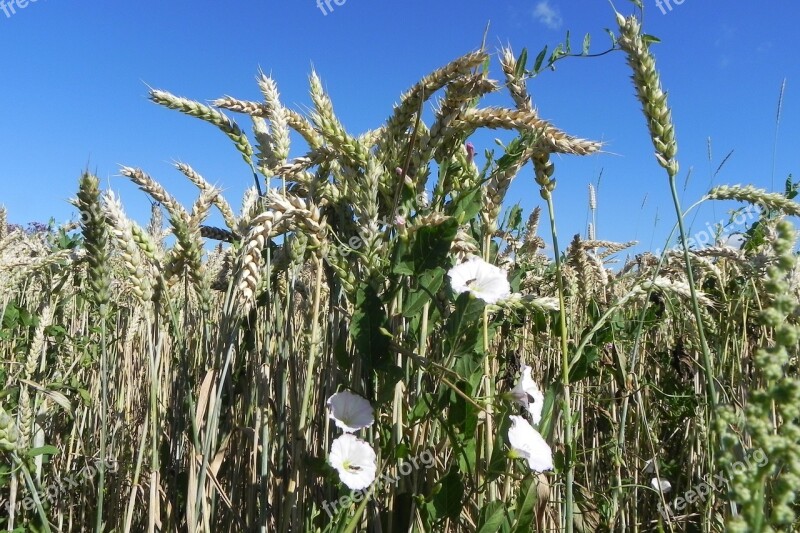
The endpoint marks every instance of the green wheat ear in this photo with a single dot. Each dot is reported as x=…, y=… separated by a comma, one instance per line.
x=648, y=89
x=95, y=235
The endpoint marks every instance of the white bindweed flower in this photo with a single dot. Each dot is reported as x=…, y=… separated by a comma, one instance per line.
x=527, y=394
x=528, y=444
x=661, y=485
x=350, y=411
x=354, y=459
x=484, y=280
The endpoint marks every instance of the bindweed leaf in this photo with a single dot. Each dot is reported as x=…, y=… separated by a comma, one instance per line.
x=526, y=506
x=429, y=284
x=537, y=65
x=447, y=500
x=492, y=517
x=42, y=450
x=467, y=206
x=369, y=321
x=522, y=60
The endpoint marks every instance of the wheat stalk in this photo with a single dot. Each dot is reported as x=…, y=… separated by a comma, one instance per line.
x=254, y=109
x=249, y=264
x=3, y=223
x=274, y=149
x=332, y=131
x=401, y=120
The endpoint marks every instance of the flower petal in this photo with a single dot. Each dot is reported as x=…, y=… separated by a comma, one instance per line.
x=529, y=444
x=484, y=280
x=661, y=485
x=527, y=394
x=354, y=459
x=350, y=411
x=461, y=276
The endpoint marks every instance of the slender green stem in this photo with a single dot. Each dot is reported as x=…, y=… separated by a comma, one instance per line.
x=155, y=381
x=229, y=325
x=489, y=374
x=708, y=368
x=624, y=370
x=566, y=402
x=34, y=493
x=137, y=470
x=355, y=521
x=101, y=466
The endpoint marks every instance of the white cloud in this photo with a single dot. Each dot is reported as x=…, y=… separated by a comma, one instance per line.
x=547, y=15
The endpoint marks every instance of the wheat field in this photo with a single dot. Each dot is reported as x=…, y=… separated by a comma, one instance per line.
x=376, y=341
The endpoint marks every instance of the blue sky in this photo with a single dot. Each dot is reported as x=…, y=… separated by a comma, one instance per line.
x=75, y=78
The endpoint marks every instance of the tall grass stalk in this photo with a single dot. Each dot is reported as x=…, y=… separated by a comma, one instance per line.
x=566, y=405
x=490, y=371
x=543, y=169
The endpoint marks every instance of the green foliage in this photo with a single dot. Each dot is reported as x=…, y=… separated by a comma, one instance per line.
x=764, y=478
x=448, y=494
x=428, y=251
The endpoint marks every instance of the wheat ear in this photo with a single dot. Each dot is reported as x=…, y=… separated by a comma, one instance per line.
x=208, y=114
x=760, y=197
x=217, y=199
x=552, y=139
